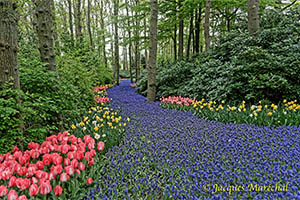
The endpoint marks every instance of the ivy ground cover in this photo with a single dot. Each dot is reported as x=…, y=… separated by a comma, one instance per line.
x=170, y=154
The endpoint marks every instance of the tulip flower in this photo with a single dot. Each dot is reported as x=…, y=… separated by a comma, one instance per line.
x=3, y=191
x=12, y=195
x=69, y=170
x=23, y=197
x=67, y=162
x=45, y=187
x=12, y=181
x=89, y=181
x=81, y=166
x=64, y=177
x=100, y=146
x=40, y=165
x=58, y=190
x=33, y=190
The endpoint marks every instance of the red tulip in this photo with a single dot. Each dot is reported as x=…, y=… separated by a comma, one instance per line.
x=91, y=162
x=64, y=177
x=40, y=165
x=22, y=183
x=88, y=156
x=67, y=162
x=81, y=166
x=79, y=155
x=58, y=190
x=89, y=181
x=71, y=155
x=22, y=171
x=34, y=180
x=56, y=169
x=74, y=163
x=23, y=197
x=73, y=147
x=34, y=153
x=91, y=145
x=69, y=170
x=100, y=146
x=93, y=152
x=12, y=181
x=3, y=191
x=33, y=190
x=30, y=172
x=32, y=145
x=78, y=171
x=18, y=154
x=15, y=149
x=65, y=149
x=39, y=174
x=6, y=174
x=45, y=187
x=47, y=159
x=12, y=195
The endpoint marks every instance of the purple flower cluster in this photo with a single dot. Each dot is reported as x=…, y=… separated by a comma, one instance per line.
x=170, y=154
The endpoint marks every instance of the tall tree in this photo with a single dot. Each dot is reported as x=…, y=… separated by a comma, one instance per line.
x=253, y=18
x=89, y=25
x=137, y=43
x=78, y=20
x=102, y=26
x=45, y=32
x=8, y=43
x=191, y=34
x=180, y=35
x=206, y=25
x=130, y=43
x=151, y=91
x=116, y=43
x=71, y=21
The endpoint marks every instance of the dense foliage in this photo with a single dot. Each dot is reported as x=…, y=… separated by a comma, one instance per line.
x=170, y=154
x=48, y=102
x=240, y=66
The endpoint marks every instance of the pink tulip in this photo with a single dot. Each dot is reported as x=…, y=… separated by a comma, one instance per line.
x=30, y=172
x=45, y=187
x=23, y=197
x=22, y=184
x=33, y=190
x=34, y=180
x=65, y=149
x=67, y=162
x=91, y=162
x=34, y=153
x=78, y=171
x=81, y=166
x=69, y=170
x=71, y=155
x=88, y=156
x=58, y=190
x=15, y=149
x=100, y=146
x=64, y=177
x=40, y=165
x=22, y=171
x=47, y=159
x=89, y=181
x=32, y=145
x=3, y=191
x=12, y=195
x=79, y=155
x=12, y=181
x=74, y=163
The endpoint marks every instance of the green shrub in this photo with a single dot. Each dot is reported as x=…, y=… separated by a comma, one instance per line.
x=240, y=66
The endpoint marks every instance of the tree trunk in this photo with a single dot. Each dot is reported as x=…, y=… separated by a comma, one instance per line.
x=206, y=26
x=175, y=42
x=181, y=26
x=71, y=21
x=116, y=63
x=145, y=40
x=9, y=70
x=253, y=18
x=130, y=44
x=198, y=18
x=137, y=38
x=89, y=25
x=45, y=33
x=190, y=36
x=78, y=19
x=151, y=91
x=55, y=34
x=103, y=34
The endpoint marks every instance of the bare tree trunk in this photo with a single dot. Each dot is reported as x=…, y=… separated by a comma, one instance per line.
x=191, y=31
x=253, y=18
x=137, y=53
x=103, y=34
x=130, y=44
x=145, y=40
x=151, y=91
x=198, y=18
x=78, y=19
x=71, y=21
x=175, y=42
x=9, y=70
x=89, y=25
x=206, y=26
x=55, y=34
x=45, y=33
x=116, y=63
x=181, y=27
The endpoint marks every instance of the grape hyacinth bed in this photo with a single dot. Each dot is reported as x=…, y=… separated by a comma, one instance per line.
x=170, y=154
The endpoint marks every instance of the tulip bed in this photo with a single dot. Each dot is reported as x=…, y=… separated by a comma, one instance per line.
x=64, y=165
x=262, y=114
x=171, y=154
